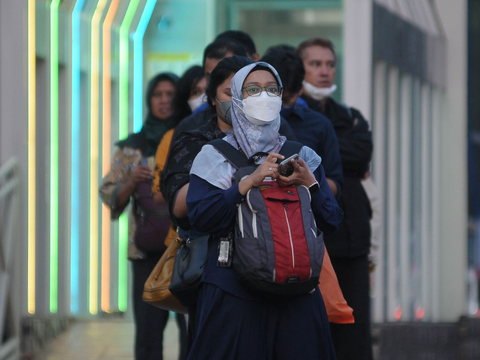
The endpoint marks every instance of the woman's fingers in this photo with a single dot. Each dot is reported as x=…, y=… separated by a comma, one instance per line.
x=272, y=157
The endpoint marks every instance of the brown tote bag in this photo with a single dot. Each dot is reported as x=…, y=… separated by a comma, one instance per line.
x=156, y=290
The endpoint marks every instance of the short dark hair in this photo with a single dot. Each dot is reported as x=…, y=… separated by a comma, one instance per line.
x=222, y=71
x=322, y=42
x=221, y=47
x=187, y=82
x=240, y=37
x=288, y=65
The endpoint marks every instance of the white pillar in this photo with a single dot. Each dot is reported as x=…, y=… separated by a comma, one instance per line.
x=453, y=164
x=13, y=121
x=357, y=43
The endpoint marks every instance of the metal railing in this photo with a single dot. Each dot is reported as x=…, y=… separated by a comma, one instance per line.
x=9, y=319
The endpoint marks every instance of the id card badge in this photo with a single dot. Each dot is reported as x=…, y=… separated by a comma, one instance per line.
x=225, y=251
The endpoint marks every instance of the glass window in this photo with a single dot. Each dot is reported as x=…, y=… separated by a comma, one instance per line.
x=272, y=24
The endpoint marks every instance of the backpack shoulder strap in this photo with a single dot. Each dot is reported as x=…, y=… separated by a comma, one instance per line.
x=233, y=156
x=289, y=148
x=238, y=160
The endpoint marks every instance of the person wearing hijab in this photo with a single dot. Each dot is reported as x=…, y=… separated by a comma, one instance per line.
x=130, y=167
x=175, y=176
x=231, y=322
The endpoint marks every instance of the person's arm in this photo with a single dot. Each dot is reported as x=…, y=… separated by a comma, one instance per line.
x=331, y=161
x=180, y=202
x=211, y=209
x=356, y=147
x=118, y=184
x=327, y=212
x=324, y=205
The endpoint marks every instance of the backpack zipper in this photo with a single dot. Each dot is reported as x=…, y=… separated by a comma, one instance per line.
x=289, y=233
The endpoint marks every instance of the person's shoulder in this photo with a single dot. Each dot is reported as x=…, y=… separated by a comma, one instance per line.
x=314, y=115
x=354, y=116
x=341, y=108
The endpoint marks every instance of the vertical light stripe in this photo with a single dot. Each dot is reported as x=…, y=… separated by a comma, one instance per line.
x=32, y=106
x=138, y=65
x=75, y=186
x=123, y=132
x=94, y=153
x=54, y=156
x=106, y=154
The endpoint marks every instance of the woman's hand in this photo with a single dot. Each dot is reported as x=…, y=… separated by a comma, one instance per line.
x=268, y=168
x=302, y=175
x=141, y=173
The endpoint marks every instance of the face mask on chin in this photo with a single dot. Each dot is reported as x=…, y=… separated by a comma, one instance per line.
x=195, y=103
x=317, y=93
x=262, y=109
x=226, y=107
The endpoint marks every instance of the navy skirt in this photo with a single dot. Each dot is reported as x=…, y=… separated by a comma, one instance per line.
x=228, y=327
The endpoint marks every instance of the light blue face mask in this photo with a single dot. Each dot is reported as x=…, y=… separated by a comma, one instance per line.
x=226, y=107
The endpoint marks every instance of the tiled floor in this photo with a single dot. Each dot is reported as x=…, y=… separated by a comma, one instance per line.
x=104, y=340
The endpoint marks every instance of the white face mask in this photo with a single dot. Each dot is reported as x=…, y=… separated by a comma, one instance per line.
x=262, y=109
x=195, y=103
x=317, y=93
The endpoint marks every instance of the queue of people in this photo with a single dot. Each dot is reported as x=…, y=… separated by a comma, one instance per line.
x=258, y=108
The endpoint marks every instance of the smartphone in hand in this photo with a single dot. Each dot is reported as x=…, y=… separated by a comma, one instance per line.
x=286, y=167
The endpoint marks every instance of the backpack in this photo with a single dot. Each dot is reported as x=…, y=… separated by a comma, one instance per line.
x=278, y=249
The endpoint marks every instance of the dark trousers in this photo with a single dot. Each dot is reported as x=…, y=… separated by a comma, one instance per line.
x=231, y=328
x=354, y=341
x=150, y=321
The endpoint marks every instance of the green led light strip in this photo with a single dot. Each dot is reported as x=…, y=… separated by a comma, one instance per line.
x=54, y=156
x=123, y=132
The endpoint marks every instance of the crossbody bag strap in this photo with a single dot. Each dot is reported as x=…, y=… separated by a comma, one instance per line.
x=233, y=156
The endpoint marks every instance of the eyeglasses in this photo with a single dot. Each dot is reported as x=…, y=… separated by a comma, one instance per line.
x=256, y=90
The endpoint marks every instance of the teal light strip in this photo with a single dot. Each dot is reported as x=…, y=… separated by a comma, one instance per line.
x=138, y=65
x=54, y=155
x=75, y=194
x=123, y=132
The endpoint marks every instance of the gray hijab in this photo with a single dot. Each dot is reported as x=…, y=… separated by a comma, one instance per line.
x=252, y=139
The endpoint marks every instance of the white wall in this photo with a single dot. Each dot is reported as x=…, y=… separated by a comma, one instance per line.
x=13, y=143
x=13, y=117
x=453, y=163
x=357, y=44
x=445, y=273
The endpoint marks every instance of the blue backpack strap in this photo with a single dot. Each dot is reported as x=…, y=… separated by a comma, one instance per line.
x=233, y=156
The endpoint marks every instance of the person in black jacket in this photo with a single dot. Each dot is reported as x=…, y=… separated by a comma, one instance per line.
x=349, y=246
x=310, y=128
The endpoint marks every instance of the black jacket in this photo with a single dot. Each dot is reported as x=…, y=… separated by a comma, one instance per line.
x=355, y=143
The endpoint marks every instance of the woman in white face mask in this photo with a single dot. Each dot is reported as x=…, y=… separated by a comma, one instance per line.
x=231, y=321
